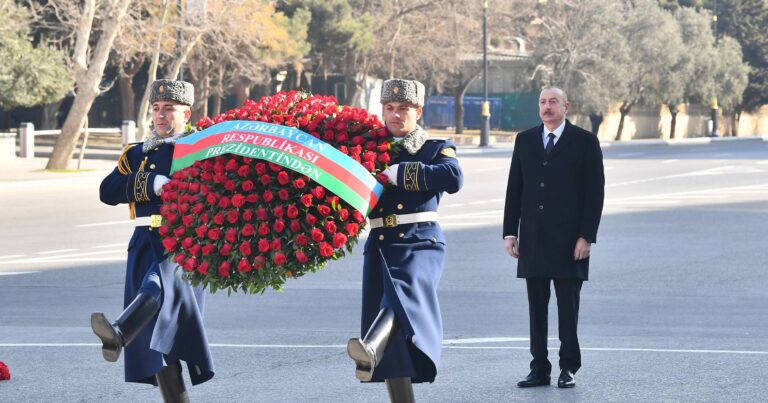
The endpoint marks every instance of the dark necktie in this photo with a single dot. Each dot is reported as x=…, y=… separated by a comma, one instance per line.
x=550, y=143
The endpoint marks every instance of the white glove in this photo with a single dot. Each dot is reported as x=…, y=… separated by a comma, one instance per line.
x=391, y=173
x=160, y=180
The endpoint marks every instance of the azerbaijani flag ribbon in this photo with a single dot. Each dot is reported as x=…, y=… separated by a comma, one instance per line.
x=288, y=147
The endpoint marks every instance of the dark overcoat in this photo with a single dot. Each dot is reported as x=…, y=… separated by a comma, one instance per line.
x=554, y=199
x=403, y=264
x=177, y=331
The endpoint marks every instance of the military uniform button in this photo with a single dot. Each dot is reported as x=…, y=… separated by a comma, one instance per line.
x=541, y=185
x=381, y=237
x=152, y=166
x=541, y=207
x=401, y=235
x=434, y=239
x=381, y=209
x=544, y=163
x=399, y=206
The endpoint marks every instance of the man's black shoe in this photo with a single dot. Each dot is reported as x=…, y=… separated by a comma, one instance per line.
x=566, y=379
x=534, y=379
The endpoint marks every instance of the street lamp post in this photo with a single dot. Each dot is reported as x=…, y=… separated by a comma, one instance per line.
x=485, y=113
x=714, y=98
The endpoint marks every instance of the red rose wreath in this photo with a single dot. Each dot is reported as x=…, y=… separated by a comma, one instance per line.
x=239, y=223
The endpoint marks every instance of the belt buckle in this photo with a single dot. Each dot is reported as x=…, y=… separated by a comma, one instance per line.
x=155, y=220
x=390, y=221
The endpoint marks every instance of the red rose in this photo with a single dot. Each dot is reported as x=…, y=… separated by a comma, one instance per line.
x=190, y=264
x=214, y=234
x=382, y=178
x=232, y=216
x=323, y=210
x=219, y=219
x=262, y=214
x=201, y=231
x=248, y=230
x=231, y=235
x=238, y=200
x=225, y=250
x=352, y=229
x=330, y=227
x=369, y=166
x=170, y=244
x=302, y=240
x=283, y=178
x=339, y=240
x=265, y=179
x=180, y=258
x=263, y=229
x=295, y=226
x=306, y=200
x=301, y=257
x=244, y=266
x=278, y=225
x=202, y=268
x=261, y=168
x=326, y=249
x=383, y=158
x=232, y=165
x=163, y=230
x=279, y=259
x=275, y=167
x=263, y=245
x=283, y=194
x=358, y=216
x=194, y=187
x=383, y=147
x=299, y=183
x=343, y=214
x=187, y=242
x=247, y=215
x=224, y=202
x=198, y=208
x=318, y=192
x=179, y=232
x=278, y=212
x=245, y=248
x=252, y=198
x=276, y=245
x=268, y=196
x=243, y=171
x=293, y=212
x=247, y=186
x=369, y=156
x=259, y=261
x=211, y=199
x=230, y=186
x=310, y=219
x=224, y=268
x=208, y=249
x=317, y=235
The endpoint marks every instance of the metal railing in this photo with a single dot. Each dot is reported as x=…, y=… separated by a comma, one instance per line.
x=27, y=133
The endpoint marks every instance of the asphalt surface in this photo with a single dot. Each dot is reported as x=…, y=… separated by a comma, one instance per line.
x=675, y=309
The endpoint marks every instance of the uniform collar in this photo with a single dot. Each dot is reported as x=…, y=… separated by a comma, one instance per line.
x=155, y=140
x=413, y=141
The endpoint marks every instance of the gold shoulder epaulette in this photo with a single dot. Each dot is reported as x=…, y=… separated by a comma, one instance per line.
x=122, y=164
x=448, y=152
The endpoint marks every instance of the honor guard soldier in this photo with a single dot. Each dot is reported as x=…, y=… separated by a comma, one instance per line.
x=162, y=322
x=405, y=252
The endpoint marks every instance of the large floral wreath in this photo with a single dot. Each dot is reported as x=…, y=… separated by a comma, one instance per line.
x=5, y=374
x=240, y=223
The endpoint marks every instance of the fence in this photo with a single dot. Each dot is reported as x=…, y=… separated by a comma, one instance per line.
x=27, y=135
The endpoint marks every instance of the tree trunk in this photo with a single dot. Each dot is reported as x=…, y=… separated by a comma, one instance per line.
x=142, y=121
x=49, y=119
x=458, y=103
x=596, y=119
x=242, y=91
x=624, y=110
x=673, y=111
x=127, y=97
x=87, y=85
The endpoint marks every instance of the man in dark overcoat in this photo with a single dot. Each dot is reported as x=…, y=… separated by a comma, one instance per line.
x=552, y=211
x=162, y=322
x=405, y=252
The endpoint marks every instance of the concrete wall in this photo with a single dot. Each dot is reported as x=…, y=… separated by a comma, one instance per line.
x=692, y=121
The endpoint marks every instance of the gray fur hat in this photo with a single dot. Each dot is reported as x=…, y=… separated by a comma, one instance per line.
x=406, y=91
x=172, y=90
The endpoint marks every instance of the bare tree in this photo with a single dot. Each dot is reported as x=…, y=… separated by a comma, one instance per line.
x=88, y=66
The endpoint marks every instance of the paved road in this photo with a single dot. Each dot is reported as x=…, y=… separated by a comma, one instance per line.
x=675, y=309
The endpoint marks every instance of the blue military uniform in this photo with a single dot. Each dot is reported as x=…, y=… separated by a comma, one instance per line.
x=177, y=332
x=404, y=262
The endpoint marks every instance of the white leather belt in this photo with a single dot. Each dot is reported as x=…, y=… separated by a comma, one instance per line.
x=393, y=220
x=153, y=221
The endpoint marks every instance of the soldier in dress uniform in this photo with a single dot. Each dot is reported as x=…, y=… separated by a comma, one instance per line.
x=162, y=322
x=405, y=252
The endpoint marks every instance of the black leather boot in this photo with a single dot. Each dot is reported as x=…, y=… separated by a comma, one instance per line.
x=171, y=384
x=400, y=390
x=126, y=327
x=367, y=352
